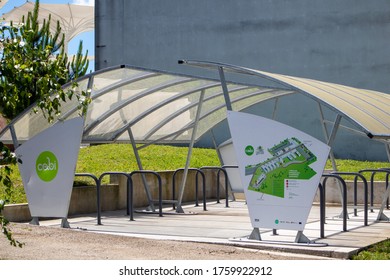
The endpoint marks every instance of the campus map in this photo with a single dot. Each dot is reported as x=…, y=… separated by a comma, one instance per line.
x=290, y=161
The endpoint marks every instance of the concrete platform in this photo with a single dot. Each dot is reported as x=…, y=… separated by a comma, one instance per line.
x=231, y=226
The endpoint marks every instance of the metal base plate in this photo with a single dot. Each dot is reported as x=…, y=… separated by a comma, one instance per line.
x=164, y=213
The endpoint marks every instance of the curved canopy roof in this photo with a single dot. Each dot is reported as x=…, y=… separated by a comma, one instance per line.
x=154, y=106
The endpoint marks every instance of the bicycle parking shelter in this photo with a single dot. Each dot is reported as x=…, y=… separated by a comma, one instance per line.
x=144, y=106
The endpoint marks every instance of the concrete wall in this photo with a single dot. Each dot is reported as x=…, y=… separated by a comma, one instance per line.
x=333, y=193
x=83, y=200
x=343, y=42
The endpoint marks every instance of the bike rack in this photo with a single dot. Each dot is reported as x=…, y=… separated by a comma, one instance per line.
x=355, y=192
x=160, y=201
x=387, y=185
x=344, y=200
x=322, y=209
x=220, y=169
x=129, y=197
x=99, y=215
x=198, y=171
x=385, y=201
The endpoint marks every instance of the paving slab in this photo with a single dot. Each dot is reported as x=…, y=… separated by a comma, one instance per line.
x=231, y=226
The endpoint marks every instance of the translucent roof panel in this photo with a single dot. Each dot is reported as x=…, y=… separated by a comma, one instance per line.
x=369, y=109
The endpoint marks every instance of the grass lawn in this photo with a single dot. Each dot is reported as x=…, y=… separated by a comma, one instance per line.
x=120, y=158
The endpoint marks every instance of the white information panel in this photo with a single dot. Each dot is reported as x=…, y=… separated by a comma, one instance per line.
x=48, y=167
x=280, y=169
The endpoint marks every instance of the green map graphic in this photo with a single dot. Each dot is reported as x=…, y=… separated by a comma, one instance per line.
x=290, y=160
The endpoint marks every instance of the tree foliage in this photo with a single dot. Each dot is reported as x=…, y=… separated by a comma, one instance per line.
x=6, y=161
x=33, y=69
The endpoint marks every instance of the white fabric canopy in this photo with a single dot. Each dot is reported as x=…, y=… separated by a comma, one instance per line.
x=2, y=3
x=74, y=19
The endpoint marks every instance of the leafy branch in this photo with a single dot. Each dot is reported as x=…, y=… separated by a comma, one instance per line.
x=33, y=69
x=6, y=160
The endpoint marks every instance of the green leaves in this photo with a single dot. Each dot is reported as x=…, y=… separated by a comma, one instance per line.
x=379, y=251
x=6, y=160
x=8, y=234
x=34, y=67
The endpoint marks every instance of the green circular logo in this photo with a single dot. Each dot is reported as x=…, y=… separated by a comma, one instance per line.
x=276, y=221
x=249, y=150
x=46, y=166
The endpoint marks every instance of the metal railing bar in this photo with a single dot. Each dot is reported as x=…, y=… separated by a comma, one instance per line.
x=220, y=169
x=98, y=200
x=159, y=186
x=198, y=171
x=129, y=196
x=365, y=191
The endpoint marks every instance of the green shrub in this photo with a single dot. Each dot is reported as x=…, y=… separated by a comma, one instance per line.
x=379, y=251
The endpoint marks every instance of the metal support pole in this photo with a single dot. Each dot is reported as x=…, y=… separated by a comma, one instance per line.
x=225, y=89
x=330, y=139
x=137, y=157
x=326, y=135
x=14, y=137
x=217, y=148
x=179, y=209
x=334, y=130
x=387, y=146
x=381, y=216
x=275, y=108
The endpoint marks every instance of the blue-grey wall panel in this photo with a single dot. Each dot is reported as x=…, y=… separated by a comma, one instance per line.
x=344, y=41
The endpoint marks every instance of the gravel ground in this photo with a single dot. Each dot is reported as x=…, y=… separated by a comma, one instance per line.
x=48, y=243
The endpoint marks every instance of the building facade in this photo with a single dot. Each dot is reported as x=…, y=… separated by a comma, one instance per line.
x=343, y=42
